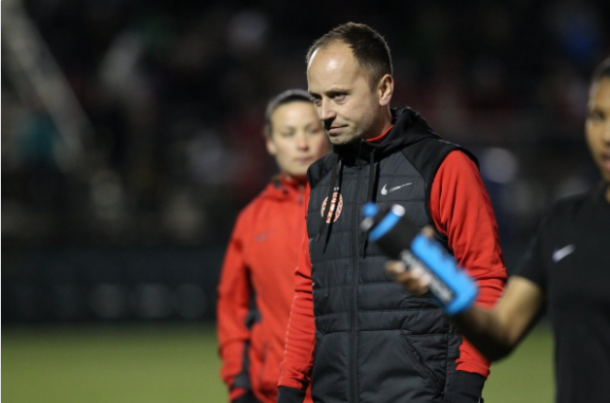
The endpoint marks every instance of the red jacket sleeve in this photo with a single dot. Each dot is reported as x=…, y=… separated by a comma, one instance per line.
x=462, y=210
x=232, y=308
x=295, y=370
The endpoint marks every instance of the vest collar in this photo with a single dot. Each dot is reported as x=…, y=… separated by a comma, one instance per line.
x=409, y=127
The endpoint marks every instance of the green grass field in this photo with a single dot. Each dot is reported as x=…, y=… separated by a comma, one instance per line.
x=179, y=363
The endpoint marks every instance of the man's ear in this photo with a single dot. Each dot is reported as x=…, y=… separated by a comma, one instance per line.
x=385, y=90
x=271, y=148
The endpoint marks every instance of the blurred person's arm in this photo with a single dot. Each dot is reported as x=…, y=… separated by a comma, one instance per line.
x=295, y=371
x=234, y=292
x=495, y=333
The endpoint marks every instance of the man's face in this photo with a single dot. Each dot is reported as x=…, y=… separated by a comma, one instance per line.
x=347, y=105
x=297, y=138
x=597, y=126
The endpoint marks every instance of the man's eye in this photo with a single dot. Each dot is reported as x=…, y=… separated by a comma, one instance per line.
x=339, y=97
x=317, y=101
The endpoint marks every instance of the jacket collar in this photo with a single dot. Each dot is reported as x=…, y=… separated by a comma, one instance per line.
x=282, y=187
x=409, y=128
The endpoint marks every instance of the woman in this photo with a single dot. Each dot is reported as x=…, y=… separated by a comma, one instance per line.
x=567, y=271
x=257, y=280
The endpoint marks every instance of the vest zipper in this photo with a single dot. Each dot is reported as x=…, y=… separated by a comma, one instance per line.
x=354, y=306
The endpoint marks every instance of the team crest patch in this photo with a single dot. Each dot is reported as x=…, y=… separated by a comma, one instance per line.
x=335, y=203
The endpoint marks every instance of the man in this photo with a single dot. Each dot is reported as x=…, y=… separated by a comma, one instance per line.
x=353, y=333
x=263, y=251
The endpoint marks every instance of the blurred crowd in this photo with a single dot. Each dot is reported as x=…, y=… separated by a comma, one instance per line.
x=175, y=94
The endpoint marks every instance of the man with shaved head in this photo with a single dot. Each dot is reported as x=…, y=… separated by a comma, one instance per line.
x=355, y=335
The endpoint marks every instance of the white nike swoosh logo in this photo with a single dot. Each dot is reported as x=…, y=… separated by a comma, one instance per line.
x=563, y=252
x=385, y=191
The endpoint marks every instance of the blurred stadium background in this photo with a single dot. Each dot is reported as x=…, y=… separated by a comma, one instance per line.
x=131, y=137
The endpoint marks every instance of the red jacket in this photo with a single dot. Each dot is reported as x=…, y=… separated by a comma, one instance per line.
x=260, y=262
x=461, y=209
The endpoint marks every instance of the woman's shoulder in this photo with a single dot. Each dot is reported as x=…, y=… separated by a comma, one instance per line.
x=570, y=208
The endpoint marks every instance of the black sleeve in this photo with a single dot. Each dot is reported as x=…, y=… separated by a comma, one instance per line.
x=532, y=265
x=290, y=395
x=465, y=387
x=247, y=397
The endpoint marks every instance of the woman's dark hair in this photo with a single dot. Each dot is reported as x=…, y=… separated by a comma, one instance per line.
x=601, y=71
x=286, y=97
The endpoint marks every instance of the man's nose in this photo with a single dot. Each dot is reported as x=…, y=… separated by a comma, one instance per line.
x=326, y=112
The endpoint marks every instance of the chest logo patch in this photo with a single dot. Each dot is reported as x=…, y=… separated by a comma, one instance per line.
x=335, y=203
x=563, y=252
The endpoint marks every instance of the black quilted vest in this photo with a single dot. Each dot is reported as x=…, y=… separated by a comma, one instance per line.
x=375, y=342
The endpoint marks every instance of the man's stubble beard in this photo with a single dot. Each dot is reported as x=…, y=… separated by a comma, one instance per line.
x=345, y=139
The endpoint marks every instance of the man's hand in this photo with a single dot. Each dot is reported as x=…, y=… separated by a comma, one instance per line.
x=415, y=280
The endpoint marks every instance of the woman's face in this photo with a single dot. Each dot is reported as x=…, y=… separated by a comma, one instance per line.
x=297, y=138
x=597, y=126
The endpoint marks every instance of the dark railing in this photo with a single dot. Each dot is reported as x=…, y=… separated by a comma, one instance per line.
x=110, y=283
